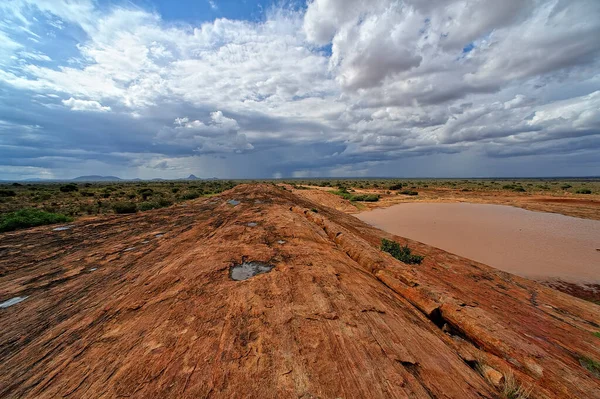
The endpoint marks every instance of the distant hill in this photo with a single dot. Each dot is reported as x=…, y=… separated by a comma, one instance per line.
x=192, y=177
x=97, y=178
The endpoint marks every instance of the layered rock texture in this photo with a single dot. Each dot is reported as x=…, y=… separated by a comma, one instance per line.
x=144, y=306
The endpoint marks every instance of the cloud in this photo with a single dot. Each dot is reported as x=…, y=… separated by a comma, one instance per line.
x=220, y=134
x=372, y=82
x=85, y=105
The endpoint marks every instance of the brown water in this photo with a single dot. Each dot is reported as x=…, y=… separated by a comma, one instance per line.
x=537, y=245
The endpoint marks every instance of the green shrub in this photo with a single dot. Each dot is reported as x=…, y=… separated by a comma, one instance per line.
x=68, y=188
x=591, y=365
x=396, y=186
x=145, y=193
x=190, y=195
x=124, y=207
x=163, y=203
x=86, y=193
x=566, y=186
x=584, y=191
x=365, y=197
x=409, y=192
x=25, y=218
x=343, y=192
x=402, y=253
x=519, y=189
x=146, y=206
x=7, y=193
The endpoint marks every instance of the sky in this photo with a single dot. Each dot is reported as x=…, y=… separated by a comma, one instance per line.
x=281, y=89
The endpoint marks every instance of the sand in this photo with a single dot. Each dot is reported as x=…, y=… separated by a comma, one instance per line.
x=536, y=245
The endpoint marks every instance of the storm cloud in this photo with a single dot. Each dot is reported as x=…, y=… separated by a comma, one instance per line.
x=328, y=88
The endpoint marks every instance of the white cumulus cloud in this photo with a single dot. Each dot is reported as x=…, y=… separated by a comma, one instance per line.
x=85, y=105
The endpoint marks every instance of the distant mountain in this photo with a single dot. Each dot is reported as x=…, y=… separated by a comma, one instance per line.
x=192, y=177
x=97, y=178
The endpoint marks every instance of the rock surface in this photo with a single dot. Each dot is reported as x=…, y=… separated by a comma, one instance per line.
x=143, y=306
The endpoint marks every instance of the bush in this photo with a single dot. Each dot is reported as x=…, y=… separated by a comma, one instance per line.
x=25, y=218
x=145, y=193
x=519, y=189
x=365, y=197
x=583, y=191
x=7, y=193
x=68, y=188
x=396, y=186
x=343, y=192
x=161, y=203
x=190, y=195
x=590, y=364
x=146, y=206
x=409, y=192
x=124, y=207
x=402, y=253
x=566, y=186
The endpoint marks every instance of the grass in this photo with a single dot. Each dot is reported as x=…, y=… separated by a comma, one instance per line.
x=402, y=253
x=597, y=334
x=513, y=390
x=591, y=365
x=510, y=389
x=25, y=218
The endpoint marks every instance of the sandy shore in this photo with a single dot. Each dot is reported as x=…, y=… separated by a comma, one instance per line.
x=537, y=245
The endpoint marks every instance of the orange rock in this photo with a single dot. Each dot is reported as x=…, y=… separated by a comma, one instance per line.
x=335, y=317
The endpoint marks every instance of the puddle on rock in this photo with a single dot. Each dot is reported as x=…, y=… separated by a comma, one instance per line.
x=233, y=202
x=248, y=269
x=12, y=301
x=252, y=224
x=62, y=228
x=281, y=242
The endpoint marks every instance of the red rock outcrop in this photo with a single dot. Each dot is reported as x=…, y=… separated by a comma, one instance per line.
x=143, y=306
